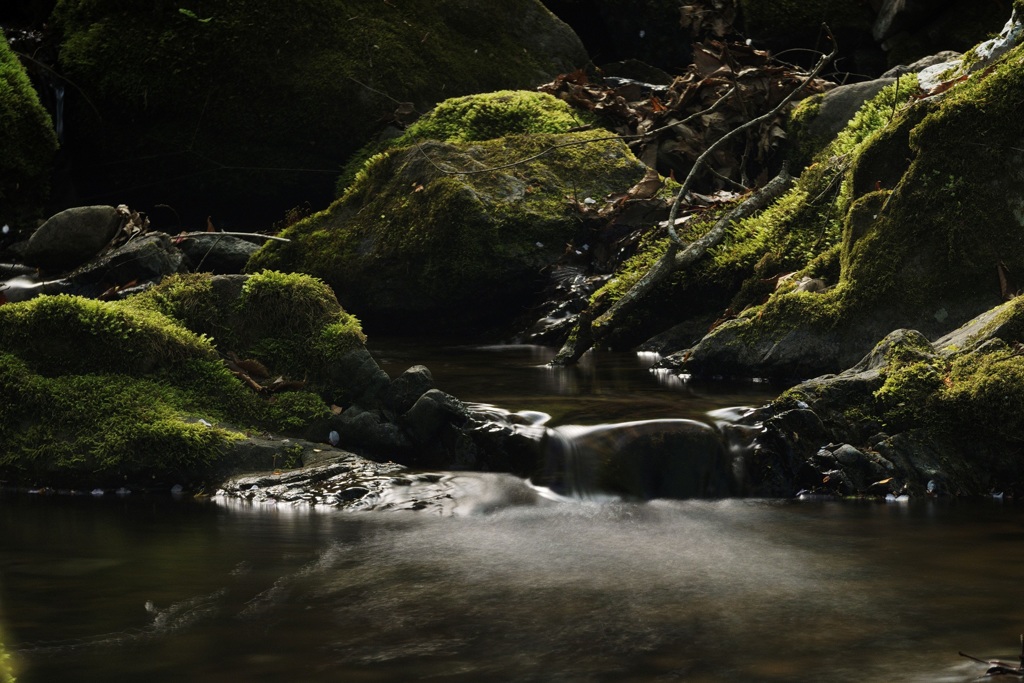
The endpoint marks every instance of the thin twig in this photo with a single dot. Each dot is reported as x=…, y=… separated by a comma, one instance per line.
x=236, y=234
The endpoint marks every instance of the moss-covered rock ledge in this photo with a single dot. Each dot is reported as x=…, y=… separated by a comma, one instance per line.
x=137, y=392
x=944, y=418
x=931, y=225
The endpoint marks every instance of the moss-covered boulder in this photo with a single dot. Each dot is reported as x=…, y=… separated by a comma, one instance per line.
x=251, y=106
x=456, y=231
x=137, y=392
x=29, y=144
x=931, y=236
x=915, y=416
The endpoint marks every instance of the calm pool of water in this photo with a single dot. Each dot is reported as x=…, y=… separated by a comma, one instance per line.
x=739, y=590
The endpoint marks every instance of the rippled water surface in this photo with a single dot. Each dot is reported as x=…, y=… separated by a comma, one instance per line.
x=739, y=590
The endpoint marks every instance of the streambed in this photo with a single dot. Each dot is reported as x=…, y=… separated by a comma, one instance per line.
x=156, y=589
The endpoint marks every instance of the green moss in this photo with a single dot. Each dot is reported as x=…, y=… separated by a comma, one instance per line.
x=100, y=428
x=6, y=664
x=99, y=392
x=802, y=232
x=907, y=393
x=985, y=393
x=289, y=321
x=29, y=144
x=473, y=118
x=803, y=145
x=493, y=115
x=68, y=334
x=952, y=213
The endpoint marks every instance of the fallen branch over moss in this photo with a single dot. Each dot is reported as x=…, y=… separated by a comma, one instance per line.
x=592, y=327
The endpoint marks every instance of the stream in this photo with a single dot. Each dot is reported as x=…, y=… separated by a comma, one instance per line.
x=547, y=589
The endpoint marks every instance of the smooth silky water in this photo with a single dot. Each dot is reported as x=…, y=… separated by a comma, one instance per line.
x=156, y=589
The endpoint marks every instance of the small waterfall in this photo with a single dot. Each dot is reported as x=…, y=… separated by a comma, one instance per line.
x=646, y=459
x=642, y=459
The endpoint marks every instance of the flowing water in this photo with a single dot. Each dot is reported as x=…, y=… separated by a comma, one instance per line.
x=538, y=589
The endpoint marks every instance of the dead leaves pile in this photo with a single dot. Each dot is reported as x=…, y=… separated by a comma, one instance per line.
x=668, y=127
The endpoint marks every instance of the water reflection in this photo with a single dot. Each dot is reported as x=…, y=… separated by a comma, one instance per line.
x=603, y=387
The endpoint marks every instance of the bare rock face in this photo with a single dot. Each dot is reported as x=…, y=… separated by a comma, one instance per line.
x=72, y=237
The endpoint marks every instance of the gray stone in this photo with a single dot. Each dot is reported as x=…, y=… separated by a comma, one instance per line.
x=367, y=431
x=216, y=252
x=72, y=237
x=840, y=104
x=944, y=57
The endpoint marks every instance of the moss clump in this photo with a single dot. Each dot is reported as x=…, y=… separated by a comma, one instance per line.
x=453, y=245
x=98, y=393
x=290, y=322
x=29, y=144
x=252, y=98
x=100, y=428
x=984, y=392
x=803, y=145
x=68, y=334
x=493, y=115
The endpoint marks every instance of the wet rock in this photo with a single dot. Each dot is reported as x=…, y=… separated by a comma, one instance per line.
x=853, y=470
x=912, y=417
x=406, y=389
x=642, y=460
x=72, y=237
x=146, y=258
x=348, y=482
x=433, y=411
x=371, y=433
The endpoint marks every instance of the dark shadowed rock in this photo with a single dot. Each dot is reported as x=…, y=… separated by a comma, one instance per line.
x=433, y=411
x=406, y=389
x=216, y=252
x=149, y=257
